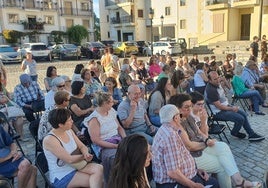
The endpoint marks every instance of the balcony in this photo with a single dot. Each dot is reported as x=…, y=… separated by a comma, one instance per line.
x=33, y=26
x=122, y=20
x=245, y=3
x=217, y=4
x=112, y=5
x=76, y=12
x=11, y=5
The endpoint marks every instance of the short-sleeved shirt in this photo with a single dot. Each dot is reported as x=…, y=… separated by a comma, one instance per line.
x=30, y=67
x=255, y=47
x=213, y=94
x=156, y=102
x=138, y=123
x=169, y=154
x=5, y=142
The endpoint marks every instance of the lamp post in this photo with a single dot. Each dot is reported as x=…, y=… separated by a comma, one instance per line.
x=151, y=16
x=162, y=25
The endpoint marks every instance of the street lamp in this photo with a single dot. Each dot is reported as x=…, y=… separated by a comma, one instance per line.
x=162, y=26
x=151, y=16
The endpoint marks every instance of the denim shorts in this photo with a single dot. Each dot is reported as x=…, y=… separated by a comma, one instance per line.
x=63, y=182
x=8, y=168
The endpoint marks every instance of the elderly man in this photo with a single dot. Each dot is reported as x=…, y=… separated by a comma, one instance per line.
x=133, y=116
x=58, y=84
x=29, y=96
x=173, y=165
x=13, y=164
x=221, y=109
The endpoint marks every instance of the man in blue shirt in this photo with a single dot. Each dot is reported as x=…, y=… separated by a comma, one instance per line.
x=29, y=96
x=12, y=163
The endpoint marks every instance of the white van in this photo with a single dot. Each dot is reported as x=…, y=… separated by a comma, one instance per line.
x=164, y=47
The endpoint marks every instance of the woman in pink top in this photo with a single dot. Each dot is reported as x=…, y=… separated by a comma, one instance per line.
x=154, y=68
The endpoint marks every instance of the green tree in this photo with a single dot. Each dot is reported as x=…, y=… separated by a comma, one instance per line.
x=97, y=27
x=58, y=35
x=77, y=33
x=12, y=36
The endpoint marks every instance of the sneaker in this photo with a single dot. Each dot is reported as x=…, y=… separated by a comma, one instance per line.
x=256, y=138
x=260, y=113
x=239, y=135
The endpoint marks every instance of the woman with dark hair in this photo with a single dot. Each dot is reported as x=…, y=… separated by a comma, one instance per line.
x=154, y=68
x=110, y=86
x=227, y=68
x=77, y=73
x=179, y=82
x=105, y=131
x=80, y=103
x=132, y=156
x=50, y=75
x=59, y=145
x=159, y=98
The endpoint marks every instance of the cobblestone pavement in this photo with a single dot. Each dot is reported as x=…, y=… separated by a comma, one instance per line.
x=250, y=157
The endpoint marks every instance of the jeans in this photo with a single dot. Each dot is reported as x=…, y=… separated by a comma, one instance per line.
x=255, y=98
x=29, y=114
x=239, y=118
x=220, y=160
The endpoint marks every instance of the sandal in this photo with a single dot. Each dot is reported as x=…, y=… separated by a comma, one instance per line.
x=253, y=185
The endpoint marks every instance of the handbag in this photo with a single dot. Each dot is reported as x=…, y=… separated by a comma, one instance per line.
x=38, y=105
x=78, y=165
x=13, y=110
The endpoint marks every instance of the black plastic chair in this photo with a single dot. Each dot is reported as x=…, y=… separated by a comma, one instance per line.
x=33, y=128
x=41, y=164
x=11, y=130
x=216, y=128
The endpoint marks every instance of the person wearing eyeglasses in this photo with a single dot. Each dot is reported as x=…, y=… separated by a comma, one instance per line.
x=209, y=154
x=58, y=147
x=29, y=96
x=58, y=84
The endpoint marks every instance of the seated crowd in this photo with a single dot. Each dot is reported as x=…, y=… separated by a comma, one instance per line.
x=90, y=118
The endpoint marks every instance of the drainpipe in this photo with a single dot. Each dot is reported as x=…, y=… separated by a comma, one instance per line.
x=261, y=11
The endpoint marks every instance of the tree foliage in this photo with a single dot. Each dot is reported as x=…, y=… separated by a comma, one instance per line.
x=12, y=36
x=77, y=33
x=97, y=27
x=58, y=36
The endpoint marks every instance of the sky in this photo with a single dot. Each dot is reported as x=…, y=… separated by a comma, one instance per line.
x=96, y=7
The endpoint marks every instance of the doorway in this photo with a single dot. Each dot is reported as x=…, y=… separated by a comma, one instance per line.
x=245, y=27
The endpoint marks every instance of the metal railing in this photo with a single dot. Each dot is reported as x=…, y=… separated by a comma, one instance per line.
x=115, y=2
x=76, y=12
x=123, y=19
x=214, y=2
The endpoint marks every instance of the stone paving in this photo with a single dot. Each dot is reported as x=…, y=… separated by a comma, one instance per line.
x=250, y=157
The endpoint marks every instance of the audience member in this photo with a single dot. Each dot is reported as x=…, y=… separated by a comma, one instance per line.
x=58, y=84
x=263, y=46
x=200, y=78
x=173, y=165
x=179, y=82
x=158, y=98
x=105, y=131
x=228, y=69
x=133, y=116
x=110, y=86
x=92, y=86
x=50, y=75
x=223, y=111
x=68, y=81
x=124, y=78
x=254, y=47
x=12, y=163
x=154, y=68
x=80, y=103
x=162, y=61
x=3, y=73
x=77, y=73
x=132, y=156
x=165, y=72
x=209, y=154
x=29, y=97
x=58, y=147
x=194, y=61
x=188, y=70
x=110, y=63
x=29, y=66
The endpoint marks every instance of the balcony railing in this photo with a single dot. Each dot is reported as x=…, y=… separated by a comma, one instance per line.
x=115, y=2
x=123, y=19
x=76, y=12
x=215, y=2
x=34, y=26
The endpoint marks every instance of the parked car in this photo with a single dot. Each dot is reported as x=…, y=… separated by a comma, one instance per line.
x=181, y=41
x=108, y=43
x=9, y=55
x=124, y=49
x=92, y=50
x=163, y=47
x=38, y=50
x=64, y=51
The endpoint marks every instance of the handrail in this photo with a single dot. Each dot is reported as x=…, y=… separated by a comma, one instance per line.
x=211, y=38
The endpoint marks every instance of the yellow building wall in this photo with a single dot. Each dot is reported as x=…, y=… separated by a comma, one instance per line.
x=234, y=25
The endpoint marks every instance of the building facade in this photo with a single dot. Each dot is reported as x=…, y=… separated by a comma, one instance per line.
x=41, y=17
x=200, y=22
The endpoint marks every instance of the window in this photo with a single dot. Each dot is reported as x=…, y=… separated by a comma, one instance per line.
x=218, y=23
x=108, y=34
x=107, y=18
x=167, y=11
x=84, y=6
x=69, y=23
x=13, y=18
x=182, y=2
x=85, y=23
x=140, y=13
x=182, y=24
x=49, y=20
